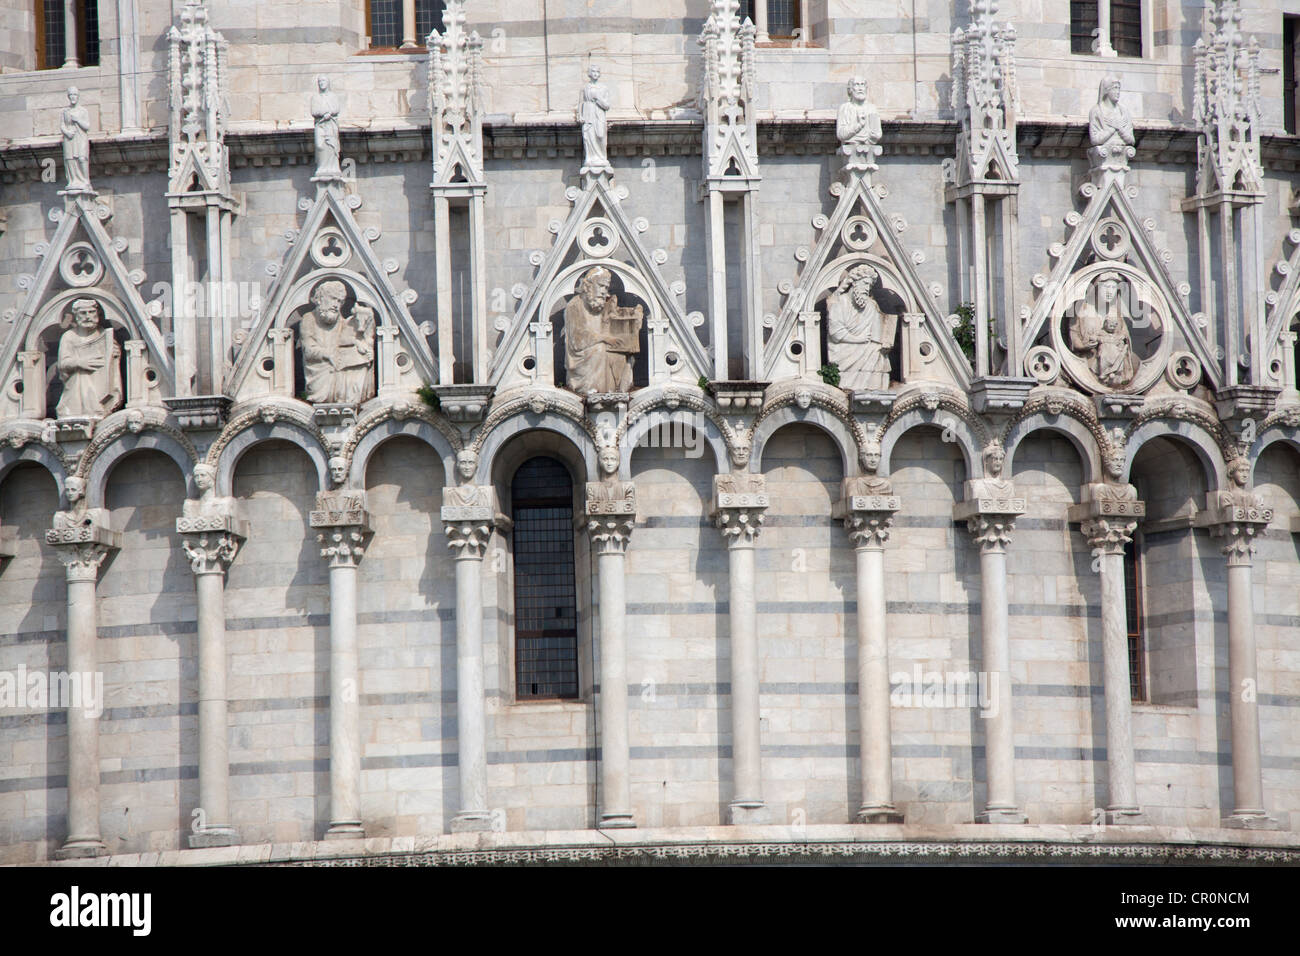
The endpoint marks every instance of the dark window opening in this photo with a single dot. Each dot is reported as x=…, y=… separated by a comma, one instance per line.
x=428, y=17
x=51, y=39
x=546, y=603
x=385, y=27
x=1125, y=26
x=1290, y=28
x=782, y=17
x=1133, y=615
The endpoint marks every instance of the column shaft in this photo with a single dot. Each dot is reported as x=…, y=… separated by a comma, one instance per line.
x=471, y=717
x=615, y=769
x=83, y=727
x=999, y=730
x=873, y=692
x=70, y=34
x=345, y=710
x=1247, y=780
x=214, y=732
x=1118, y=690
x=745, y=745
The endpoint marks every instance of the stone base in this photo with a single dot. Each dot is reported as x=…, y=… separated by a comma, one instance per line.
x=1125, y=816
x=747, y=813
x=1250, y=821
x=472, y=821
x=214, y=836
x=616, y=820
x=345, y=831
x=81, y=850
x=1001, y=816
x=879, y=815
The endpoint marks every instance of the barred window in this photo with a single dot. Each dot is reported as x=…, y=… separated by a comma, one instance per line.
x=1125, y=26
x=1133, y=614
x=1290, y=76
x=546, y=605
x=51, y=37
x=783, y=16
x=428, y=17
x=384, y=22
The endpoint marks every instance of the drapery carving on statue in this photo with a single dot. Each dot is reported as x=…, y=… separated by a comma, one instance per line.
x=1101, y=332
x=89, y=364
x=338, y=350
x=993, y=485
x=593, y=105
x=600, y=337
x=1110, y=130
x=857, y=127
x=325, y=111
x=859, y=335
x=74, y=124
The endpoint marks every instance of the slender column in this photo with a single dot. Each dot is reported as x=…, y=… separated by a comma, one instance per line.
x=468, y=520
x=752, y=292
x=442, y=261
x=1236, y=518
x=716, y=254
x=868, y=509
x=611, y=514
x=211, y=542
x=82, y=541
x=408, y=24
x=1103, y=29
x=760, y=21
x=343, y=524
x=1108, y=517
x=990, y=513
x=979, y=255
x=70, y=34
x=739, y=504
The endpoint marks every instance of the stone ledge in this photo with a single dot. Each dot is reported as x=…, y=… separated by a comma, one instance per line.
x=880, y=843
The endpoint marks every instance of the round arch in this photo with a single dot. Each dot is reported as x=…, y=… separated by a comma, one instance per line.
x=1083, y=440
x=1201, y=443
x=1271, y=436
x=260, y=432
x=112, y=453
x=525, y=421
x=659, y=417
x=819, y=418
x=38, y=453
x=963, y=436
x=392, y=428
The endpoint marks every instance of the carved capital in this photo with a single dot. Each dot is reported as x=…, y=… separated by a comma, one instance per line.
x=82, y=540
x=210, y=552
x=610, y=534
x=1237, y=541
x=739, y=501
x=1108, y=535
x=869, y=529
x=343, y=546
x=992, y=532
x=468, y=538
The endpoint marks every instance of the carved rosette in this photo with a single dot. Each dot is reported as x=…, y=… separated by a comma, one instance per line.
x=344, y=524
x=82, y=540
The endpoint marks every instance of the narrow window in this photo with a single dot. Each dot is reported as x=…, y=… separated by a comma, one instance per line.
x=1083, y=25
x=428, y=17
x=51, y=38
x=782, y=18
x=1125, y=26
x=384, y=23
x=746, y=11
x=1290, y=29
x=546, y=605
x=1134, y=614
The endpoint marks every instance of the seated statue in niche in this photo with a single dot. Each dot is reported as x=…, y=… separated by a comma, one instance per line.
x=88, y=364
x=1100, y=335
x=600, y=337
x=859, y=336
x=337, y=350
x=857, y=127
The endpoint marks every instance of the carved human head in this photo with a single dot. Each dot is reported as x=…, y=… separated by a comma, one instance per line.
x=861, y=279
x=857, y=89
x=1108, y=287
x=74, y=94
x=466, y=464
x=1239, y=472
x=327, y=299
x=205, y=477
x=609, y=459
x=75, y=488
x=869, y=457
x=338, y=469
x=85, y=314
x=994, y=456
x=1109, y=89
x=594, y=287
x=322, y=83
x=593, y=73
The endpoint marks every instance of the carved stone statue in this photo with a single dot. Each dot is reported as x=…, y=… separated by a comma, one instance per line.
x=599, y=337
x=1101, y=336
x=88, y=364
x=75, y=126
x=592, y=109
x=858, y=128
x=325, y=112
x=1110, y=129
x=859, y=337
x=466, y=465
x=338, y=351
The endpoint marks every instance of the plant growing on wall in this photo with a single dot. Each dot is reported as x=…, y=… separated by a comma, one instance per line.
x=429, y=397
x=830, y=373
x=964, y=331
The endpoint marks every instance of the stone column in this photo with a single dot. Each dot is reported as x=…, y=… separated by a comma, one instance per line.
x=760, y=22
x=343, y=524
x=69, y=34
x=468, y=519
x=990, y=512
x=867, y=509
x=408, y=24
x=739, y=503
x=1108, y=517
x=611, y=514
x=211, y=540
x=1235, y=518
x=82, y=541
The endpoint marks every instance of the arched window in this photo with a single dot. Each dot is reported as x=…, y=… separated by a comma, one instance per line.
x=1133, y=613
x=546, y=605
x=51, y=34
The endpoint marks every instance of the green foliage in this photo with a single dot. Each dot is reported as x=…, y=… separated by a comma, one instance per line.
x=429, y=397
x=704, y=385
x=830, y=373
x=964, y=333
